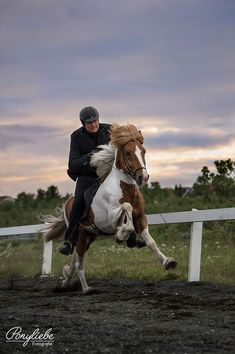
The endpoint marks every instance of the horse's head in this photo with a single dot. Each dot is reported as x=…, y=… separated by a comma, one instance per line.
x=131, y=160
x=126, y=151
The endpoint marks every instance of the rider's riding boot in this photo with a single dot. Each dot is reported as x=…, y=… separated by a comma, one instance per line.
x=71, y=234
x=68, y=245
x=133, y=242
x=67, y=248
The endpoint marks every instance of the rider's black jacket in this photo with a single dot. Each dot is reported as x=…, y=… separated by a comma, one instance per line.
x=81, y=145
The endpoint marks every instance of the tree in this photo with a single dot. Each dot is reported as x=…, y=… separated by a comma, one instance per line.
x=41, y=194
x=25, y=199
x=223, y=181
x=52, y=192
x=155, y=186
x=220, y=182
x=179, y=190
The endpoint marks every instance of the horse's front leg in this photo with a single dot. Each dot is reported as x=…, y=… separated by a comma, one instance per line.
x=125, y=225
x=141, y=226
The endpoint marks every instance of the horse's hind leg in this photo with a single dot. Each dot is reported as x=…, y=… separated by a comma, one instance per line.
x=79, y=266
x=84, y=242
x=68, y=272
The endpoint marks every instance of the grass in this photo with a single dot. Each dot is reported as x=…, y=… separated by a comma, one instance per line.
x=218, y=263
x=20, y=258
x=106, y=259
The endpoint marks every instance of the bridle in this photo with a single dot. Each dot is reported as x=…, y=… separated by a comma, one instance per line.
x=130, y=171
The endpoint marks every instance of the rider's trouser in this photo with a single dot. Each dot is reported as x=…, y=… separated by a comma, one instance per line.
x=82, y=184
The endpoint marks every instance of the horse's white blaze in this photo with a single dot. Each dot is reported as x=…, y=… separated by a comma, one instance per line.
x=139, y=156
x=141, y=161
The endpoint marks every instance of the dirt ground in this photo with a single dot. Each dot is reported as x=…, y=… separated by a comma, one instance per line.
x=121, y=316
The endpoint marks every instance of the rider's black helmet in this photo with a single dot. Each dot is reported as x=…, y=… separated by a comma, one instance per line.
x=88, y=114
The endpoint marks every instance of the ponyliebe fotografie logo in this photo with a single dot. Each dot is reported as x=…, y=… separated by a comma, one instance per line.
x=37, y=338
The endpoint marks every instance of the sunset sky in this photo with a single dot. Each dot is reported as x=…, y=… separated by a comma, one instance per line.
x=168, y=66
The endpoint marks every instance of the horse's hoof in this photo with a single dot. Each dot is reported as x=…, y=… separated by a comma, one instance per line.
x=65, y=283
x=88, y=291
x=118, y=240
x=118, y=236
x=170, y=264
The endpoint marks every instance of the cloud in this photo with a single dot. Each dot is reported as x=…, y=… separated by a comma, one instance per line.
x=15, y=135
x=166, y=66
x=29, y=172
x=186, y=138
x=182, y=165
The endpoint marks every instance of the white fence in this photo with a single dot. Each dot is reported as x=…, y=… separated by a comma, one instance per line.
x=195, y=217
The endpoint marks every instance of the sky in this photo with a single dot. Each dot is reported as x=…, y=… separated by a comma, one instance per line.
x=167, y=66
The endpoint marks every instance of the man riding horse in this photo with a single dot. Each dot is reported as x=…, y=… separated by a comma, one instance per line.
x=84, y=142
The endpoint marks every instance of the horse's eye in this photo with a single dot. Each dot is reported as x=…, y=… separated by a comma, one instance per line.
x=128, y=154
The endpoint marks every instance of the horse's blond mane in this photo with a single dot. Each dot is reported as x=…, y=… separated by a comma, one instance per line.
x=121, y=134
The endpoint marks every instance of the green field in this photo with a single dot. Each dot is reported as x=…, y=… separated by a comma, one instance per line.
x=106, y=259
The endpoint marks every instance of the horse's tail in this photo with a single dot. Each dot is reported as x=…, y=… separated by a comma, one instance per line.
x=55, y=226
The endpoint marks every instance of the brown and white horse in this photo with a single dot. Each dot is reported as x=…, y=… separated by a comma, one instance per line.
x=118, y=205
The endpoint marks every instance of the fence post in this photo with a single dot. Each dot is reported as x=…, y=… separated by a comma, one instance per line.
x=195, y=251
x=47, y=258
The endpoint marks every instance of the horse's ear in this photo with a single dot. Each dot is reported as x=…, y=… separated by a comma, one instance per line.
x=141, y=139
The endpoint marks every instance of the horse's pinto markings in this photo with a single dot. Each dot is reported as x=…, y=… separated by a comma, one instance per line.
x=118, y=205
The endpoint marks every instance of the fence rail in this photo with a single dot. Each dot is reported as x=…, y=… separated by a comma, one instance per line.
x=195, y=217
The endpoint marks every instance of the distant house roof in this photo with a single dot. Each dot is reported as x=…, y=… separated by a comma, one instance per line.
x=6, y=198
